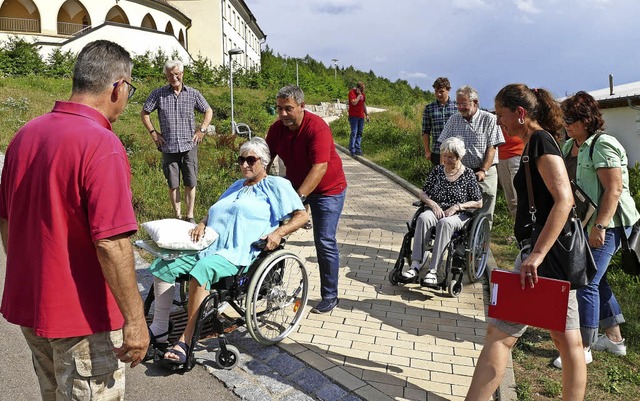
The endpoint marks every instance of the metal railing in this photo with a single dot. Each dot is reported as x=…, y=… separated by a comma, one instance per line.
x=19, y=24
x=67, y=28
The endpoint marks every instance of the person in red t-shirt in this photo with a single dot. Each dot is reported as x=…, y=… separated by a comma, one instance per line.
x=357, y=114
x=65, y=219
x=305, y=144
x=508, y=164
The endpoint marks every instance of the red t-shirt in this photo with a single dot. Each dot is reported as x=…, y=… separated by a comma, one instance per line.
x=312, y=143
x=356, y=110
x=65, y=184
x=512, y=146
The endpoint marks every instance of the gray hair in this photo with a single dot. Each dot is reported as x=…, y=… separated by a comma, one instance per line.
x=291, y=91
x=99, y=65
x=453, y=145
x=171, y=64
x=259, y=147
x=468, y=91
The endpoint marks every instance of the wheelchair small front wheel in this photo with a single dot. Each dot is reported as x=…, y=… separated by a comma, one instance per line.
x=227, y=359
x=276, y=297
x=454, y=288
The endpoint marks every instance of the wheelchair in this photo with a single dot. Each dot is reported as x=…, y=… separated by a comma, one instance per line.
x=269, y=297
x=467, y=251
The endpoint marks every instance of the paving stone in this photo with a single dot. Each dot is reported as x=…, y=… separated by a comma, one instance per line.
x=310, y=380
x=286, y=364
x=331, y=392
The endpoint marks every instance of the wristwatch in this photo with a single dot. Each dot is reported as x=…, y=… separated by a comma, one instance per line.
x=600, y=227
x=203, y=130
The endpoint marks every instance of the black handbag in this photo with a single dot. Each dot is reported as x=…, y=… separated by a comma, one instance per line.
x=630, y=251
x=570, y=257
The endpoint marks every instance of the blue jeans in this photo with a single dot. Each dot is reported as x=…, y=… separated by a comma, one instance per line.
x=326, y=210
x=596, y=302
x=355, y=140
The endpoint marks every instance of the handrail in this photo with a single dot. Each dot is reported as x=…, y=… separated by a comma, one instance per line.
x=19, y=24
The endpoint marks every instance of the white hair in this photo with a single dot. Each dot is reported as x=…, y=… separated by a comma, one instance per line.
x=468, y=91
x=171, y=64
x=453, y=145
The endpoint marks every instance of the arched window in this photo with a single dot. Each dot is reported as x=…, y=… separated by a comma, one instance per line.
x=19, y=16
x=72, y=18
x=117, y=15
x=181, y=38
x=149, y=22
x=169, y=28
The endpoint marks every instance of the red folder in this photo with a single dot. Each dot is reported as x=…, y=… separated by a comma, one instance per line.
x=543, y=306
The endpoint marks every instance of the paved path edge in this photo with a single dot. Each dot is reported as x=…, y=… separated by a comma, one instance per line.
x=507, y=389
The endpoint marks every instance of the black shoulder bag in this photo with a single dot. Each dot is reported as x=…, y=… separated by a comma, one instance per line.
x=570, y=257
x=630, y=251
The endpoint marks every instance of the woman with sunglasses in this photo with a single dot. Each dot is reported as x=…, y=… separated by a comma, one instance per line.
x=250, y=209
x=597, y=163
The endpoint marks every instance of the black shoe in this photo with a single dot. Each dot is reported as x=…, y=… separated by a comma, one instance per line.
x=190, y=220
x=359, y=153
x=353, y=154
x=326, y=305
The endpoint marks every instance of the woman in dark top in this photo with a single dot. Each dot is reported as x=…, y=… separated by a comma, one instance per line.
x=533, y=115
x=451, y=193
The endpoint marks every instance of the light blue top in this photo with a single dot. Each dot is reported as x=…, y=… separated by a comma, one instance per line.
x=607, y=153
x=244, y=214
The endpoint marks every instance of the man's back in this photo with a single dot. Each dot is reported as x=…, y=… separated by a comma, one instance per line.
x=65, y=184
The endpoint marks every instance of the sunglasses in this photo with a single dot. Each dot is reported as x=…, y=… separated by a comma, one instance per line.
x=569, y=120
x=251, y=160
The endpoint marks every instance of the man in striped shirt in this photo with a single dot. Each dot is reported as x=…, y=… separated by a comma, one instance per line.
x=435, y=116
x=178, y=138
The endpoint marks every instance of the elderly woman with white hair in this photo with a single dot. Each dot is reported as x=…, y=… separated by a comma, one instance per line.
x=451, y=193
x=250, y=209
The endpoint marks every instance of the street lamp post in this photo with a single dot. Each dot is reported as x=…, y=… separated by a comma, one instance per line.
x=232, y=53
x=335, y=68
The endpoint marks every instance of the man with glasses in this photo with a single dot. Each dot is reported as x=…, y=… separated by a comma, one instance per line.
x=305, y=144
x=65, y=217
x=435, y=116
x=481, y=135
x=179, y=137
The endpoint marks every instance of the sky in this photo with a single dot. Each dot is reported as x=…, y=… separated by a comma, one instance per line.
x=561, y=45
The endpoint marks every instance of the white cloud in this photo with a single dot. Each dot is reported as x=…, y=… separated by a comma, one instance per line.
x=469, y=5
x=379, y=59
x=412, y=75
x=527, y=6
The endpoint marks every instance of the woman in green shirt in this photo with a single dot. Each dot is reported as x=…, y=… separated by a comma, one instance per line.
x=598, y=163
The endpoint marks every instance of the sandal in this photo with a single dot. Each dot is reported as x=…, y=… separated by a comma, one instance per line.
x=430, y=279
x=411, y=273
x=181, y=353
x=308, y=225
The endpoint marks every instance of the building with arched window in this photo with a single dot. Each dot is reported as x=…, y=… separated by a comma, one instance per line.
x=183, y=27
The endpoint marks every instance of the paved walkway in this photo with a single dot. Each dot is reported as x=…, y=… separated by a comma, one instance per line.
x=382, y=342
x=386, y=342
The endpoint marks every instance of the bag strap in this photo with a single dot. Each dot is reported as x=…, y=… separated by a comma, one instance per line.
x=593, y=144
x=527, y=173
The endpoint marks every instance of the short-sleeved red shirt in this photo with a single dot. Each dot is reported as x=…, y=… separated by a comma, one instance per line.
x=356, y=110
x=65, y=184
x=312, y=143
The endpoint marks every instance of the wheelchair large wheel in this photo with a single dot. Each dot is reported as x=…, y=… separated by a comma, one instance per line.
x=276, y=297
x=478, y=247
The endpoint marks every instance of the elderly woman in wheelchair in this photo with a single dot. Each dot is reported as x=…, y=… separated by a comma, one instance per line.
x=450, y=194
x=249, y=210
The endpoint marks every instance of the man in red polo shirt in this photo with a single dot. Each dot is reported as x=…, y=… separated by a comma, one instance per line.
x=305, y=144
x=65, y=218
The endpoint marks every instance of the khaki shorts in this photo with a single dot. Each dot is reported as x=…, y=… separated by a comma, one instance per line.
x=518, y=329
x=78, y=368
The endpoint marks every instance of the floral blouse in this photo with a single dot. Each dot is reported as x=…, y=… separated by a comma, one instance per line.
x=447, y=193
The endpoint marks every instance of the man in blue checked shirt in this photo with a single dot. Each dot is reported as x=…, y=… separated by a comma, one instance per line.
x=179, y=137
x=481, y=135
x=435, y=116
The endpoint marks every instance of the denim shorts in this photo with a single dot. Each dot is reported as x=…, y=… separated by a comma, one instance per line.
x=517, y=329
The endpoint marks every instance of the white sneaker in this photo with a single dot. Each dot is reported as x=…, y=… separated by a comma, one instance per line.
x=605, y=344
x=430, y=279
x=411, y=273
x=588, y=358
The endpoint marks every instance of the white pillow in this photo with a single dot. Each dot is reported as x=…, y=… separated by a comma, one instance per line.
x=174, y=234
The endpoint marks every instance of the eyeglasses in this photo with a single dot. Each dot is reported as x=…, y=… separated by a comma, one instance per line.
x=569, y=120
x=132, y=89
x=465, y=105
x=251, y=160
